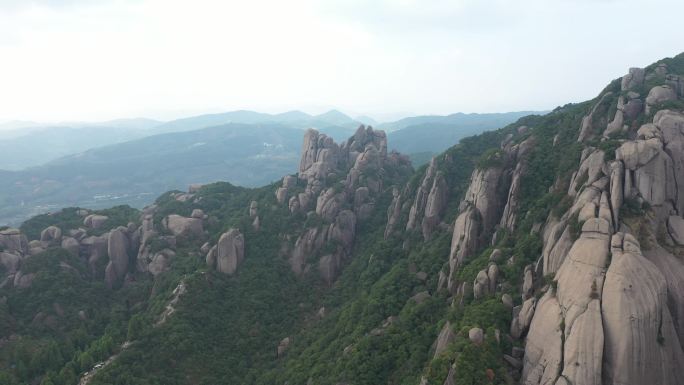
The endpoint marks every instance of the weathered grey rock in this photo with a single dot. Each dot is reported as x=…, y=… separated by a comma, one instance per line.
x=343, y=230
x=669, y=127
x=675, y=226
x=281, y=194
x=10, y=262
x=420, y=297
x=71, y=245
x=94, y=221
x=293, y=205
x=496, y=256
x=583, y=348
x=283, y=346
x=507, y=300
x=307, y=244
x=328, y=267
x=464, y=241
x=633, y=108
x=476, y=336
x=328, y=204
x=481, y=285
x=513, y=362
x=641, y=345
x=617, y=181
x=418, y=207
x=544, y=343
x=230, y=251
x=450, y=380
x=183, y=227
x=94, y=248
x=51, y=236
x=528, y=282
x=253, y=209
x=12, y=240
x=493, y=274
x=289, y=181
x=523, y=316
x=197, y=214
x=587, y=125
x=659, y=94
x=616, y=125
x=117, y=249
x=446, y=336
x=436, y=204
x=23, y=281
x=161, y=262
x=320, y=155
x=393, y=212
x=634, y=79
x=591, y=168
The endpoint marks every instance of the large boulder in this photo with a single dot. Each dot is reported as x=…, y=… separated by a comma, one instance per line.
x=659, y=94
x=675, y=226
x=12, y=240
x=183, y=227
x=94, y=221
x=230, y=251
x=51, y=236
x=117, y=248
x=10, y=262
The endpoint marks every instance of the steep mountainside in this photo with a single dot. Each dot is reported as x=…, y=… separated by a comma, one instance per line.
x=546, y=252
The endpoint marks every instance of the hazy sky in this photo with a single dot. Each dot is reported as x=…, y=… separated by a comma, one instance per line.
x=105, y=59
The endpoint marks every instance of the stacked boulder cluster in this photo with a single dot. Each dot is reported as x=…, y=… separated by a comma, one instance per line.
x=604, y=303
x=125, y=249
x=339, y=185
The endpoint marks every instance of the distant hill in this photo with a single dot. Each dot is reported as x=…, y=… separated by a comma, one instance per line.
x=137, y=171
x=434, y=133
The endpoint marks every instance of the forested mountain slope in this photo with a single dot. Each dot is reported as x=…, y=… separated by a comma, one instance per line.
x=547, y=252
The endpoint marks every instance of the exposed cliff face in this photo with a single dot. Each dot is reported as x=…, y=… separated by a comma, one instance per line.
x=620, y=307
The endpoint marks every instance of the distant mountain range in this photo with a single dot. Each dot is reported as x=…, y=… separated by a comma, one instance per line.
x=130, y=161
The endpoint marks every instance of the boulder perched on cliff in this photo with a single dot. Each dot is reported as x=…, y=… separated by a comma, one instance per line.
x=94, y=221
x=230, y=251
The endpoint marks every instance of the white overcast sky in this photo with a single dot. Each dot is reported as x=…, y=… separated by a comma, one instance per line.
x=106, y=59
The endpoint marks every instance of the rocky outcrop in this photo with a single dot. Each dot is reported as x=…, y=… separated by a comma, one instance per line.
x=480, y=211
x=659, y=94
x=13, y=241
x=51, y=236
x=544, y=343
x=117, y=249
x=229, y=253
x=339, y=205
x=446, y=336
x=393, y=213
x=641, y=345
x=94, y=221
x=436, y=204
x=430, y=202
x=161, y=262
x=184, y=227
x=633, y=80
